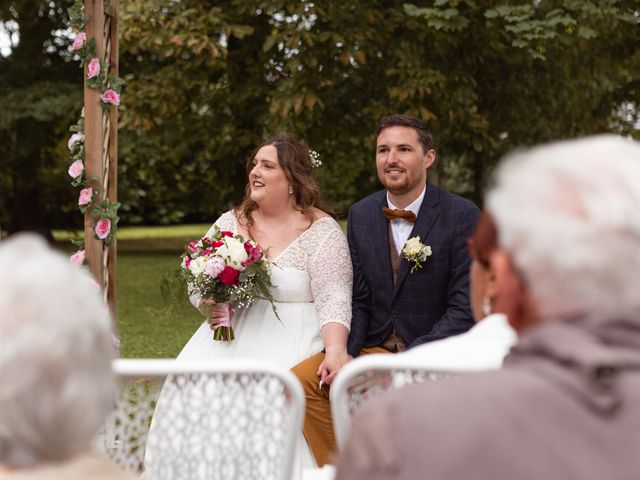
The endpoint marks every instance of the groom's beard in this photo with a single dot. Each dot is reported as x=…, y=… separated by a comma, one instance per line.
x=400, y=186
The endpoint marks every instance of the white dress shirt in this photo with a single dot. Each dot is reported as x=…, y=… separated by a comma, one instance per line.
x=400, y=228
x=481, y=348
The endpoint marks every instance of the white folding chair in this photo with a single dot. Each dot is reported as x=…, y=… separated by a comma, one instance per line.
x=371, y=375
x=223, y=419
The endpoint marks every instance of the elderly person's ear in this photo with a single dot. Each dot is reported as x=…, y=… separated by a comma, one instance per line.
x=491, y=289
x=509, y=290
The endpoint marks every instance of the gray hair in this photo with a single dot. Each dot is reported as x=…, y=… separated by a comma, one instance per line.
x=567, y=213
x=55, y=356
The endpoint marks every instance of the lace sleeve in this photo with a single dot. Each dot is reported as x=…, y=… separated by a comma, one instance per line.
x=332, y=277
x=226, y=221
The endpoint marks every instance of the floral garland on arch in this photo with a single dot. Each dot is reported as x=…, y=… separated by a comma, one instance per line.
x=110, y=85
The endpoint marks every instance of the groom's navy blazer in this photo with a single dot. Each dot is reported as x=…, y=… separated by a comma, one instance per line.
x=432, y=302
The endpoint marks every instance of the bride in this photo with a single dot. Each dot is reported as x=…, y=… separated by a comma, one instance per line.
x=311, y=273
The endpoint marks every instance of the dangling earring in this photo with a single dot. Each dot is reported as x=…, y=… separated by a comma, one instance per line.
x=486, y=305
x=290, y=190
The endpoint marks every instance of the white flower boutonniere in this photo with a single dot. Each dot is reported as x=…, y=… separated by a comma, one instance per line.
x=415, y=251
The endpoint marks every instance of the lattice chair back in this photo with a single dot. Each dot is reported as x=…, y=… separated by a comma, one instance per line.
x=223, y=419
x=369, y=376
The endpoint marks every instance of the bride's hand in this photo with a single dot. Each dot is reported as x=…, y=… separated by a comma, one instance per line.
x=215, y=312
x=334, y=360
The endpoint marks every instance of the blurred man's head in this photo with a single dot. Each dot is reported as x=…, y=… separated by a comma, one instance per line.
x=569, y=231
x=56, y=383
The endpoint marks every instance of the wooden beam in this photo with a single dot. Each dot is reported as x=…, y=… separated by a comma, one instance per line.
x=112, y=190
x=101, y=137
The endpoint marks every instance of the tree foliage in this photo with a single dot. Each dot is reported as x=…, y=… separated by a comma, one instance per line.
x=208, y=81
x=40, y=94
x=218, y=79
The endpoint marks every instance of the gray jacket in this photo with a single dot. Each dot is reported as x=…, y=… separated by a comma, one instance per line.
x=566, y=406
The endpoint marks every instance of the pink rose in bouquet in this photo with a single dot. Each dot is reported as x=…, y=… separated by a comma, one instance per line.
x=229, y=276
x=224, y=269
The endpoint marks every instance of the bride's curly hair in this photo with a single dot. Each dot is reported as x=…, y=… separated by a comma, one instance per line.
x=295, y=160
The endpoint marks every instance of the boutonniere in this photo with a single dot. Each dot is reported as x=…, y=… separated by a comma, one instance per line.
x=415, y=251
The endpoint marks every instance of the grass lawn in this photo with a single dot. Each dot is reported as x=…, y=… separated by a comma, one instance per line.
x=146, y=326
x=190, y=231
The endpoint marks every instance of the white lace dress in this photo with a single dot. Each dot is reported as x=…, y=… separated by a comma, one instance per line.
x=312, y=281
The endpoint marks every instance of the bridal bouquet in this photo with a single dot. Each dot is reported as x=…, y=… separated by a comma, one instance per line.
x=227, y=270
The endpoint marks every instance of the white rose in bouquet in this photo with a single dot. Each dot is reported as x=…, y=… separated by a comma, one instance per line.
x=196, y=267
x=233, y=251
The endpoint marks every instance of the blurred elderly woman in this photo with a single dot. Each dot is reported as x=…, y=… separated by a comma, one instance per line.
x=488, y=342
x=56, y=383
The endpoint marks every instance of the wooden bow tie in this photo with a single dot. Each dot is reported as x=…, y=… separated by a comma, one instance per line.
x=407, y=215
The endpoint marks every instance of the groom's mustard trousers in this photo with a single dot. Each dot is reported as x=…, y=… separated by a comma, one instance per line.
x=318, y=427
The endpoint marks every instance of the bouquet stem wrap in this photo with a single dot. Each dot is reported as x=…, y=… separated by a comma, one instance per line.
x=223, y=329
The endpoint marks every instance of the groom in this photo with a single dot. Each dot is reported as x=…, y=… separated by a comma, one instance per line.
x=393, y=308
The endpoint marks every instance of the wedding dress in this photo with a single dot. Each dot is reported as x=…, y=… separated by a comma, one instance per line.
x=312, y=280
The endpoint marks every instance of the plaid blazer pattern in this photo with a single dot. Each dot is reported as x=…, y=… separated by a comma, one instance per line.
x=432, y=302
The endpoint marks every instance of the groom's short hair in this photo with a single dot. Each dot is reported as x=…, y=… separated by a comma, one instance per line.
x=401, y=120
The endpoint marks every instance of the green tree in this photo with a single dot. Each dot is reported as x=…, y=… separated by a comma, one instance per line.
x=41, y=93
x=207, y=81
x=487, y=78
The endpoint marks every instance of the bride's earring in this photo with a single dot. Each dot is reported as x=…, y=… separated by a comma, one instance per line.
x=290, y=190
x=486, y=305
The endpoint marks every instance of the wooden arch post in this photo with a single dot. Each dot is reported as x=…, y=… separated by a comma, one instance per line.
x=101, y=144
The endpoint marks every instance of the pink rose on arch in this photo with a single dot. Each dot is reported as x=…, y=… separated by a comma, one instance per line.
x=79, y=41
x=86, y=194
x=82, y=112
x=93, y=70
x=110, y=96
x=76, y=137
x=76, y=168
x=77, y=258
x=103, y=228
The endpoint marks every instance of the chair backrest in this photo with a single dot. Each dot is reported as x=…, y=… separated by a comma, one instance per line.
x=371, y=375
x=227, y=419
